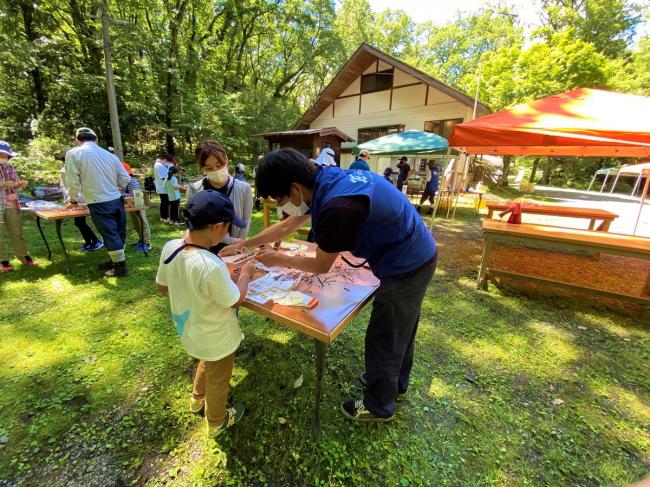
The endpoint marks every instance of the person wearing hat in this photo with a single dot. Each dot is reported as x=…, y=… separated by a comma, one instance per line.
x=141, y=224
x=361, y=161
x=91, y=242
x=361, y=213
x=404, y=172
x=100, y=177
x=10, y=218
x=203, y=298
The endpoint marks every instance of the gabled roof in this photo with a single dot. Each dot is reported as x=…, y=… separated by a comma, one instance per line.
x=363, y=57
x=322, y=132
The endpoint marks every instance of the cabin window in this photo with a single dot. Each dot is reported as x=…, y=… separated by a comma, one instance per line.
x=370, y=133
x=379, y=81
x=442, y=128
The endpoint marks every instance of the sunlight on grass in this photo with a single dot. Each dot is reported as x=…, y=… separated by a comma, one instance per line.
x=439, y=388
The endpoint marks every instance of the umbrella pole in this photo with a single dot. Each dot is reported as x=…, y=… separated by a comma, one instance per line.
x=438, y=196
x=592, y=182
x=637, y=184
x=643, y=197
x=618, y=174
x=463, y=181
x=453, y=182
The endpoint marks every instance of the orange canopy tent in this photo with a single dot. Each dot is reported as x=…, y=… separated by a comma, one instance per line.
x=582, y=122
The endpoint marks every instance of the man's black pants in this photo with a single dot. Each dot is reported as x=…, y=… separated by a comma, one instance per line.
x=390, y=337
x=164, y=206
x=86, y=232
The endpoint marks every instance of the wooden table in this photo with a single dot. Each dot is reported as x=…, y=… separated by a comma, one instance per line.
x=338, y=303
x=58, y=215
x=591, y=214
x=609, y=243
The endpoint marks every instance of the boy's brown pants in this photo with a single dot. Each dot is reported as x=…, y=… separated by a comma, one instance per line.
x=212, y=382
x=14, y=226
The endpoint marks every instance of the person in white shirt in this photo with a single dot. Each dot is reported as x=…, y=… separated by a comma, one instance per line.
x=203, y=298
x=160, y=170
x=99, y=177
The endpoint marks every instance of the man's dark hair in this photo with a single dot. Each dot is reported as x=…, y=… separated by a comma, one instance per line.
x=280, y=169
x=86, y=137
x=163, y=156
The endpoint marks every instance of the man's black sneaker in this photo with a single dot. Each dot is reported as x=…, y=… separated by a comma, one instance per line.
x=104, y=266
x=354, y=410
x=118, y=270
x=362, y=379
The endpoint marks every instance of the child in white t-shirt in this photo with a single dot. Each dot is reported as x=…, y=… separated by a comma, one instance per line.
x=203, y=299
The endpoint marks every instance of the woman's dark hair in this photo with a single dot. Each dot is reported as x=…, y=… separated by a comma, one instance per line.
x=172, y=170
x=164, y=156
x=86, y=137
x=207, y=148
x=280, y=169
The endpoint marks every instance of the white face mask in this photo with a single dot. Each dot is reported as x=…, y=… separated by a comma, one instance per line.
x=220, y=176
x=292, y=210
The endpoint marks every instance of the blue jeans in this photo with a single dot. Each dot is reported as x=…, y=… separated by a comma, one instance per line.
x=109, y=218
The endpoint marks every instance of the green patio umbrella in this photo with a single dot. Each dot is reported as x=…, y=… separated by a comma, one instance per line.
x=410, y=142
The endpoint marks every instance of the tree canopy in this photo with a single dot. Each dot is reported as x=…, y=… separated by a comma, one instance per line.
x=188, y=69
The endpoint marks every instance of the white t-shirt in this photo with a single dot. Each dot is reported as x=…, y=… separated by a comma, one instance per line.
x=201, y=296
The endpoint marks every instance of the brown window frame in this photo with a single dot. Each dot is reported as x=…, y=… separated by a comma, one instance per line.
x=442, y=124
x=388, y=129
x=376, y=76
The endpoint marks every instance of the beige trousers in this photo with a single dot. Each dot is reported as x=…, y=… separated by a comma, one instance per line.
x=144, y=232
x=14, y=227
x=212, y=383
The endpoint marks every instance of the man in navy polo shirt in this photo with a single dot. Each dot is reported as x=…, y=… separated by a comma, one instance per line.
x=360, y=212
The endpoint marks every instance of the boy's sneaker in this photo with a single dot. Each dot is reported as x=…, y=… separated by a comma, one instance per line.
x=119, y=270
x=5, y=266
x=142, y=247
x=355, y=410
x=362, y=379
x=84, y=248
x=196, y=405
x=135, y=244
x=96, y=246
x=27, y=260
x=233, y=415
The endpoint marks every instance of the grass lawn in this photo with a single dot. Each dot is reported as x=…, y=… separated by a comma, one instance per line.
x=506, y=389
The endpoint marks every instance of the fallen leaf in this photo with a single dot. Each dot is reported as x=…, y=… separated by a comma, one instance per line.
x=144, y=389
x=551, y=388
x=298, y=382
x=471, y=378
x=125, y=334
x=282, y=420
x=425, y=409
x=582, y=327
x=90, y=359
x=558, y=402
x=626, y=339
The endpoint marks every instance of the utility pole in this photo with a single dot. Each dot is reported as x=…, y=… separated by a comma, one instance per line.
x=110, y=84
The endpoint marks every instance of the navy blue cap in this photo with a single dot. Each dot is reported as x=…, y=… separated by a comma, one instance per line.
x=207, y=207
x=6, y=148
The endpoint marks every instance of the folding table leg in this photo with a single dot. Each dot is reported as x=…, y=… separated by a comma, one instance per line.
x=58, y=234
x=320, y=366
x=47, y=246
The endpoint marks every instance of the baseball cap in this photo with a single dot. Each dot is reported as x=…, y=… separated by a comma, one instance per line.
x=6, y=148
x=84, y=130
x=209, y=206
x=127, y=167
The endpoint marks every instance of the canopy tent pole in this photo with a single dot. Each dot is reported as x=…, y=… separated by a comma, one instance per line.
x=644, y=194
x=463, y=181
x=436, y=203
x=605, y=181
x=453, y=181
x=637, y=184
x=592, y=181
x=618, y=174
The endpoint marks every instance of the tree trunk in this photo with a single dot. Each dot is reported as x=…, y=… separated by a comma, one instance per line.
x=546, y=177
x=531, y=179
x=27, y=8
x=503, y=181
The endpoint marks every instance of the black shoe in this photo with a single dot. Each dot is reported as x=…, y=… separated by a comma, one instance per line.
x=119, y=270
x=355, y=410
x=362, y=379
x=106, y=266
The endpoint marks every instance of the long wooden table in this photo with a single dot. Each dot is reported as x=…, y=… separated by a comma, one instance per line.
x=608, y=243
x=591, y=214
x=58, y=215
x=339, y=301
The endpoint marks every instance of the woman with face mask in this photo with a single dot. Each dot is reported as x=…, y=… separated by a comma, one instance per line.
x=212, y=160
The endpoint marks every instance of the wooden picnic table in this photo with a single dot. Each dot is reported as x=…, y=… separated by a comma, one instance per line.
x=340, y=299
x=591, y=214
x=609, y=243
x=58, y=215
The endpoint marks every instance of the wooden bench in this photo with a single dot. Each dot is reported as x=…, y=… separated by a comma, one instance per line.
x=526, y=234
x=591, y=214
